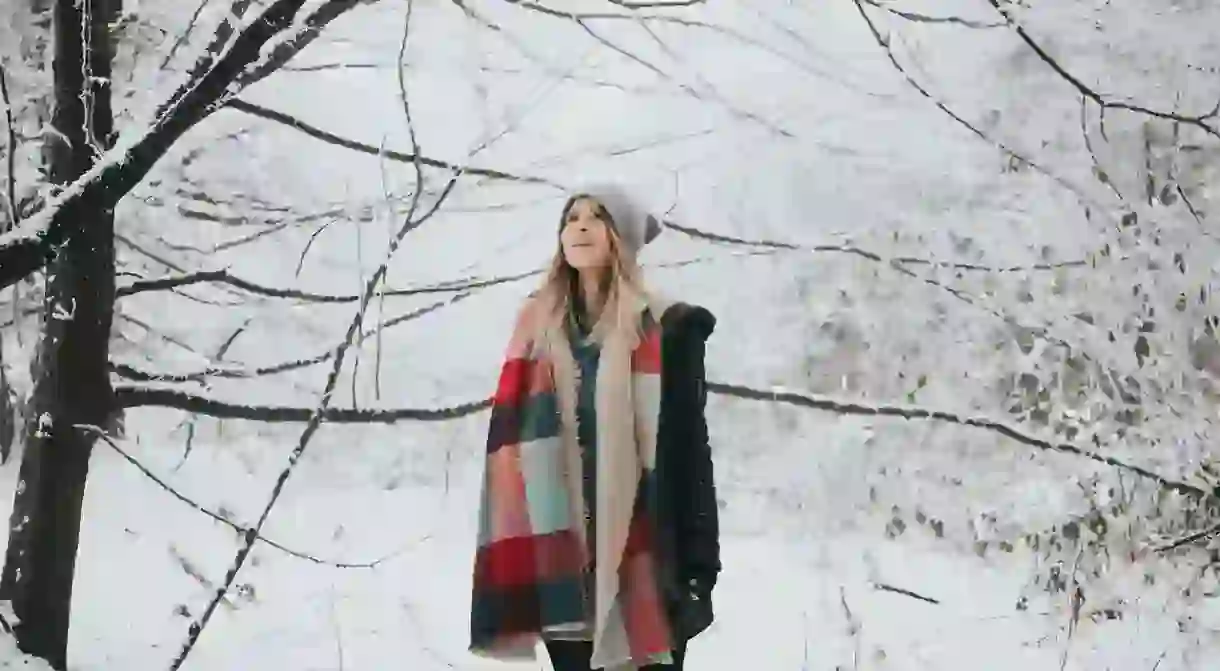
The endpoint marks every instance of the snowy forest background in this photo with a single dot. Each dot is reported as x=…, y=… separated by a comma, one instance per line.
x=962, y=253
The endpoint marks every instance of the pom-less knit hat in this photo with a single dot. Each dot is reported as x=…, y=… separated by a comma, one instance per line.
x=634, y=226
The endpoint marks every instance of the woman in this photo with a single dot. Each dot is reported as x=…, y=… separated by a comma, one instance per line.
x=599, y=532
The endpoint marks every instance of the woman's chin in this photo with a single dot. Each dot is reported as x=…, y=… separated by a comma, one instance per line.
x=585, y=262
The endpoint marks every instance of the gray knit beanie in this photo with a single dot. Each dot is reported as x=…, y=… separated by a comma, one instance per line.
x=634, y=226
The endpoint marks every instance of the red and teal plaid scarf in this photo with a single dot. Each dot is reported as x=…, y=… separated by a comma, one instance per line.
x=531, y=559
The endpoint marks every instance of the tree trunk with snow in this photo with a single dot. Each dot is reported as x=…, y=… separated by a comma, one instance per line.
x=73, y=388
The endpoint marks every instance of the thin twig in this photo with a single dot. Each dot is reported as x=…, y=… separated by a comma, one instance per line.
x=1075, y=603
x=916, y=17
x=334, y=621
x=184, y=37
x=905, y=592
x=853, y=627
x=1100, y=172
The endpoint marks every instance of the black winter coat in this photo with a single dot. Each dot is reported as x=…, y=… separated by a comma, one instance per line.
x=688, y=526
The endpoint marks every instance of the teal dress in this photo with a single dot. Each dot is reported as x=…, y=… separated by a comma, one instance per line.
x=587, y=354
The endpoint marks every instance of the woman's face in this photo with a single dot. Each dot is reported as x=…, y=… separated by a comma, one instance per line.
x=585, y=238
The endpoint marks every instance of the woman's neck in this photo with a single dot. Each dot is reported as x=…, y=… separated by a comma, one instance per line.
x=593, y=294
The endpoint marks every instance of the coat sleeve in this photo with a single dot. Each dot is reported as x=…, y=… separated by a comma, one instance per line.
x=698, y=519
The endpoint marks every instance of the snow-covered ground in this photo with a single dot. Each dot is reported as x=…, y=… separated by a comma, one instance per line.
x=794, y=595
x=773, y=121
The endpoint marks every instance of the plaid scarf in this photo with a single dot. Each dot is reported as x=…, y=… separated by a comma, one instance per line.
x=532, y=560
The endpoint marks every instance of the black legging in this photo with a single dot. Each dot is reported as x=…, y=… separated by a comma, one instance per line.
x=574, y=656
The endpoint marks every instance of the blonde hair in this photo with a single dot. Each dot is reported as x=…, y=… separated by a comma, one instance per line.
x=623, y=289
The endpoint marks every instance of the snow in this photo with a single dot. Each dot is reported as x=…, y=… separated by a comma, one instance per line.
x=849, y=542
x=12, y=658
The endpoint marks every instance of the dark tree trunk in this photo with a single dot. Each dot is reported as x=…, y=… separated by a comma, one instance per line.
x=73, y=387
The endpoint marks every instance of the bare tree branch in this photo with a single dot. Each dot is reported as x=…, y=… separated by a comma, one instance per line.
x=10, y=173
x=131, y=373
x=149, y=329
x=1190, y=539
x=910, y=413
x=224, y=277
x=239, y=528
x=905, y=592
x=1098, y=171
x=866, y=254
x=915, y=17
x=137, y=396
x=400, y=157
x=1199, y=121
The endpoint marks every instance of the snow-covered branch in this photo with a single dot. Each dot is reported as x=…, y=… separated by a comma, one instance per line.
x=30, y=246
x=302, y=36
x=135, y=397
x=237, y=10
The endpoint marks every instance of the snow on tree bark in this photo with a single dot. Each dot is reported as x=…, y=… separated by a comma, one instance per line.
x=73, y=388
